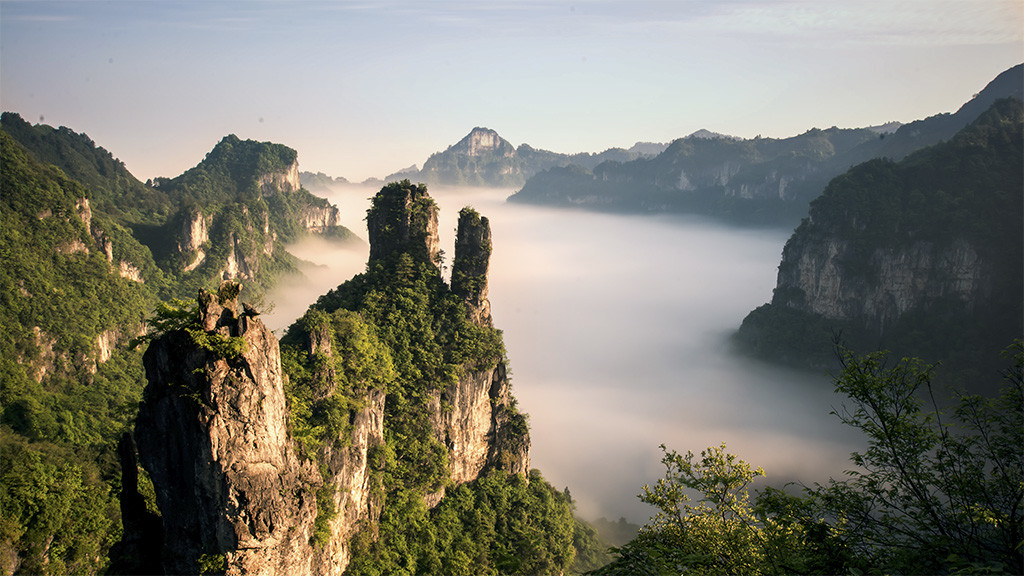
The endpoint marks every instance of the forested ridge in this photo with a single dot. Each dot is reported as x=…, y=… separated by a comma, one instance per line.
x=921, y=257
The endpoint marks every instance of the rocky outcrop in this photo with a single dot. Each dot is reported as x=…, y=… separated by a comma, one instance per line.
x=915, y=256
x=241, y=263
x=403, y=218
x=243, y=487
x=476, y=417
x=477, y=421
x=320, y=218
x=194, y=233
x=212, y=434
x=284, y=181
x=349, y=473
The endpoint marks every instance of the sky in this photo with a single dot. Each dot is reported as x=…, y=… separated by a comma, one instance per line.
x=362, y=89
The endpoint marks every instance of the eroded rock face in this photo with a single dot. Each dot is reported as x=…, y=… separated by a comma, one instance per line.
x=349, y=472
x=285, y=181
x=476, y=419
x=320, y=219
x=194, y=233
x=894, y=281
x=212, y=434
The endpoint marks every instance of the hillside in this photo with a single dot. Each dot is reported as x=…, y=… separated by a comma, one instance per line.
x=922, y=256
x=77, y=281
x=68, y=383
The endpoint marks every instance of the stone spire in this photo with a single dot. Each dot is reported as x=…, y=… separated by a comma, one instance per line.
x=472, y=259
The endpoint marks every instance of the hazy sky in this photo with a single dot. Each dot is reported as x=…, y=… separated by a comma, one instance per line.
x=365, y=88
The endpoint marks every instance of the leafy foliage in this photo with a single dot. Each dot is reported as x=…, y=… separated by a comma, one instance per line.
x=497, y=524
x=933, y=493
x=323, y=389
x=58, y=514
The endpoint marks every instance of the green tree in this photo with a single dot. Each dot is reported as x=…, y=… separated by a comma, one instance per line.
x=708, y=523
x=933, y=492
x=936, y=491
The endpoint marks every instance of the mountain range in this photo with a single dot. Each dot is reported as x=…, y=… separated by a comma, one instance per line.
x=762, y=180
x=483, y=158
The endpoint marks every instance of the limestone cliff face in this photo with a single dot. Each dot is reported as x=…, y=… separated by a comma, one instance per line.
x=345, y=464
x=823, y=278
x=285, y=181
x=476, y=420
x=212, y=433
x=350, y=474
x=921, y=257
x=320, y=218
x=483, y=141
x=482, y=158
x=194, y=233
x=475, y=417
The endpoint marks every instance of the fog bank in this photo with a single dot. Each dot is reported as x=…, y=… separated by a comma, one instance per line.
x=616, y=329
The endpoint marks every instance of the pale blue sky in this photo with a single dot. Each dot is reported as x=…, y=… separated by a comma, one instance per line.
x=362, y=89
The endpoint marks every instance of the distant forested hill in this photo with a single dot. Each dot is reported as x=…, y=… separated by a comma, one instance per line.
x=764, y=180
x=922, y=256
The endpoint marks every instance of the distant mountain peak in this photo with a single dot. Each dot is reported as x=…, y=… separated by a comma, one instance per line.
x=481, y=141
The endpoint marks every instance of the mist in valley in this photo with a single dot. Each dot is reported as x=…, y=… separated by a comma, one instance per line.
x=617, y=331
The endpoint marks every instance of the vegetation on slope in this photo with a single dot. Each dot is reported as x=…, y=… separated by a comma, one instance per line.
x=62, y=411
x=398, y=327
x=934, y=492
x=78, y=278
x=969, y=189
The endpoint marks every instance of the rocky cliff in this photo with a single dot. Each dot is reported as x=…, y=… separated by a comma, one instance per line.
x=922, y=256
x=238, y=208
x=213, y=435
x=897, y=280
x=469, y=269
x=264, y=466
